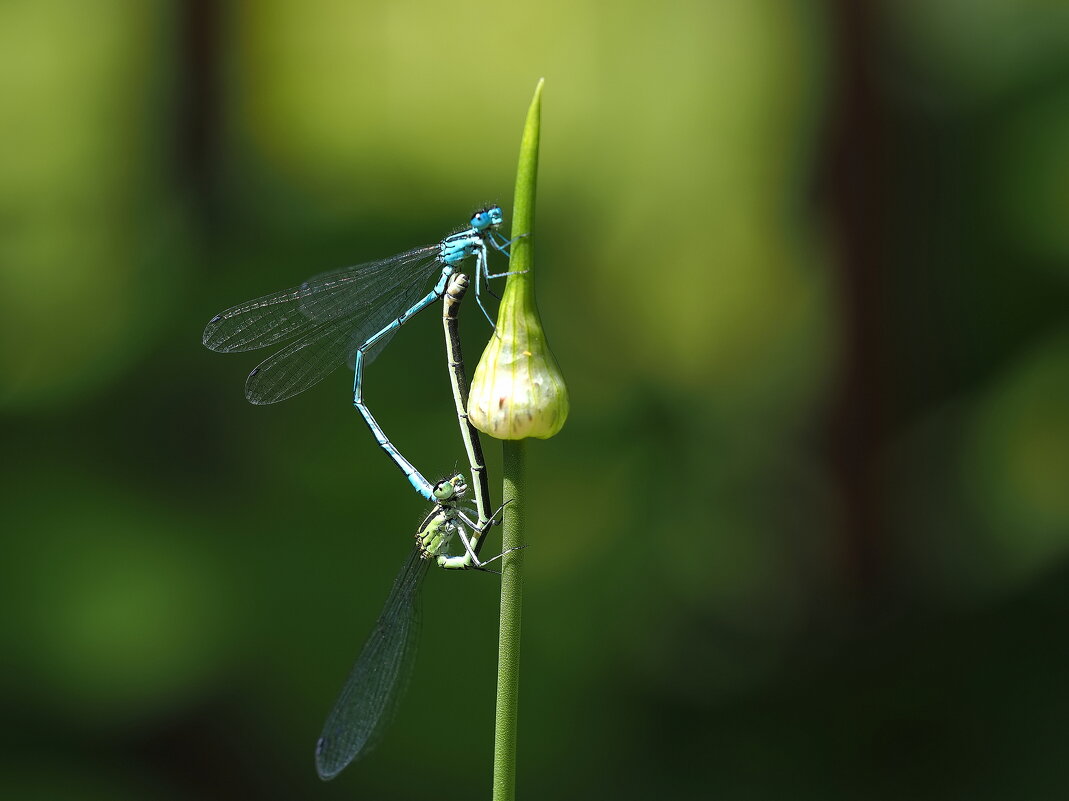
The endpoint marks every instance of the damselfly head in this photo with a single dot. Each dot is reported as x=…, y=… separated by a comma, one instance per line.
x=490, y=217
x=450, y=489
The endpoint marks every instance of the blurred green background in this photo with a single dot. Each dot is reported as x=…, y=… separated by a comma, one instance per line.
x=805, y=267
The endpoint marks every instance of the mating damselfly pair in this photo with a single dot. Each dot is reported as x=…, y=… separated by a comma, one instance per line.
x=349, y=315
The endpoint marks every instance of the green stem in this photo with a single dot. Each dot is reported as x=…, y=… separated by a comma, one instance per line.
x=515, y=485
x=508, y=648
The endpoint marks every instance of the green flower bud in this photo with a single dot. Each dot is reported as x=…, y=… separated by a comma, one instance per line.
x=518, y=390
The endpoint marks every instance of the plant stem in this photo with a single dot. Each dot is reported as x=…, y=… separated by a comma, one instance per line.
x=515, y=484
x=508, y=649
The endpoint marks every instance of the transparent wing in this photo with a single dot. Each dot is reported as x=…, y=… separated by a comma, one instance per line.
x=300, y=365
x=325, y=346
x=378, y=679
x=330, y=315
x=350, y=293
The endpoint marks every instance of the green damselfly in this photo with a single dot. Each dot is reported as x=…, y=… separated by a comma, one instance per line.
x=379, y=676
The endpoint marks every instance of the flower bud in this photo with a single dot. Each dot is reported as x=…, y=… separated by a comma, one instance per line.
x=518, y=390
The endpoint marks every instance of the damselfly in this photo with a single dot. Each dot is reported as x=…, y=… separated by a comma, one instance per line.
x=379, y=676
x=349, y=315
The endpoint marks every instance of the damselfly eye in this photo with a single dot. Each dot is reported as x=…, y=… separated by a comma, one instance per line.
x=443, y=490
